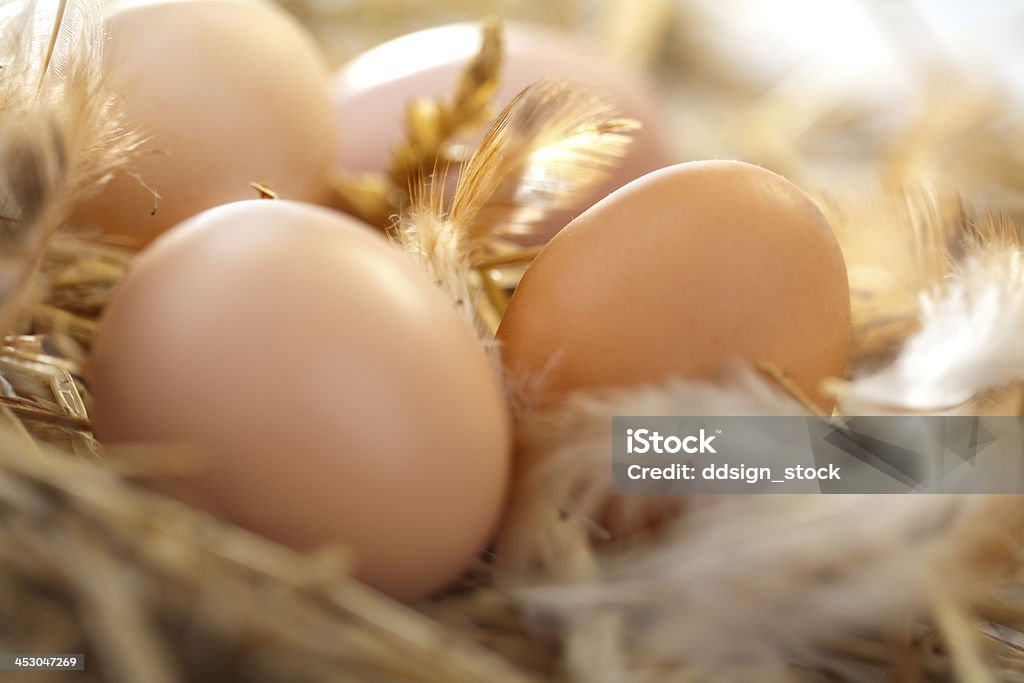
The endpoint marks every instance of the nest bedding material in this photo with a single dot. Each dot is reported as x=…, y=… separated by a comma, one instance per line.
x=744, y=588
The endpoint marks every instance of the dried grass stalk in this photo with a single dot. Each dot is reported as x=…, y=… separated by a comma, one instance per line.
x=153, y=590
x=434, y=129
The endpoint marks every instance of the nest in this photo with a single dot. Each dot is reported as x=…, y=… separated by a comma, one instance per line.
x=741, y=588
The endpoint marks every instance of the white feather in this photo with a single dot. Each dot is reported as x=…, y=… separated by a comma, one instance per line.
x=763, y=581
x=739, y=583
x=969, y=341
x=564, y=456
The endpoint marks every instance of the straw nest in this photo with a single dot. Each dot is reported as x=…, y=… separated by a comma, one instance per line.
x=742, y=588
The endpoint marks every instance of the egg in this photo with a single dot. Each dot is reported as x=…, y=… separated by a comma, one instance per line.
x=371, y=92
x=329, y=391
x=678, y=273
x=225, y=93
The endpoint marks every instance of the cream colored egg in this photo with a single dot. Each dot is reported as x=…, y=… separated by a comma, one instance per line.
x=370, y=94
x=226, y=93
x=332, y=393
x=677, y=274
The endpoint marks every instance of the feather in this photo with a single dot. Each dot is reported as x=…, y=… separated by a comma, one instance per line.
x=826, y=566
x=896, y=244
x=60, y=130
x=564, y=453
x=552, y=143
x=969, y=337
x=436, y=244
x=766, y=581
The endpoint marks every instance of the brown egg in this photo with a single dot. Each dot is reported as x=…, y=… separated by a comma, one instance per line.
x=371, y=92
x=332, y=392
x=677, y=273
x=228, y=92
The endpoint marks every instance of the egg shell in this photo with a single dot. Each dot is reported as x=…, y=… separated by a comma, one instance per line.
x=678, y=273
x=371, y=92
x=226, y=93
x=332, y=392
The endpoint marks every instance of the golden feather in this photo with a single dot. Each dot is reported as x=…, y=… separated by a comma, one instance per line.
x=550, y=145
